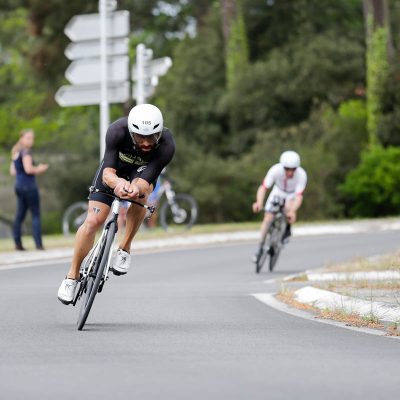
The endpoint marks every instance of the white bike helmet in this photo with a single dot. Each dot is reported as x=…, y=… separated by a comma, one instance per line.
x=290, y=159
x=145, y=120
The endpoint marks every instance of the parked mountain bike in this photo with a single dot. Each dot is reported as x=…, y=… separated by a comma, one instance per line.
x=96, y=265
x=274, y=239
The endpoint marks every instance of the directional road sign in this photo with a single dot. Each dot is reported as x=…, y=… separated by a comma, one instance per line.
x=156, y=67
x=87, y=26
x=91, y=48
x=87, y=71
x=85, y=95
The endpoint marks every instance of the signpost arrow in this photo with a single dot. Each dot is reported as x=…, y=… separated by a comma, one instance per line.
x=91, y=48
x=87, y=26
x=89, y=70
x=85, y=95
x=156, y=67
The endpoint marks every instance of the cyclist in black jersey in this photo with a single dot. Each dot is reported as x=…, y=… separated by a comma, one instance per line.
x=138, y=147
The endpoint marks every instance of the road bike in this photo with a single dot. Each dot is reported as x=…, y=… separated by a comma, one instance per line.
x=95, y=267
x=274, y=240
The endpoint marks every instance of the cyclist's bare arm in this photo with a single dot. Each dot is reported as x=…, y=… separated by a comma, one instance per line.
x=258, y=205
x=122, y=187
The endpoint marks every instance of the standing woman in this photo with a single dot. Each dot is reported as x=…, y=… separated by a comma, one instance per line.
x=26, y=189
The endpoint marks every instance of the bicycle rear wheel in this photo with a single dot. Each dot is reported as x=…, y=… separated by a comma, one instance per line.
x=273, y=257
x=181, y=213
x=95, y=277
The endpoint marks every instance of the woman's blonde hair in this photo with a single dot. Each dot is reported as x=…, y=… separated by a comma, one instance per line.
x=18, y=146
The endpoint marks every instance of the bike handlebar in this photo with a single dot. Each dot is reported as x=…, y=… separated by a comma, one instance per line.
x=92, y=189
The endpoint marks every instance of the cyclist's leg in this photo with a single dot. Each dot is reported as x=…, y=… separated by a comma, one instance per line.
x=85, y=236
x=290, y=211
x=134, y=218
x=124, y=205
x=266, y=223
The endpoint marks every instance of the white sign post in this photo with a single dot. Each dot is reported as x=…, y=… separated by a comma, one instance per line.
x=99, y=71
x=146, y=73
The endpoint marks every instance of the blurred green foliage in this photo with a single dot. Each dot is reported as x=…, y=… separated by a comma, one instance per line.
x=299, y=79
x=372, y=189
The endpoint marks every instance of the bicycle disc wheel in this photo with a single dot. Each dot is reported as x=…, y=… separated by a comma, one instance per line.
x=94, y=279
x=182, y=213
x=276, y=243
x=273, y=257
x=73, y=217
x=260, y=260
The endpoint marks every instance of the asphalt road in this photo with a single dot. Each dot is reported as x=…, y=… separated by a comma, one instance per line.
x=183, y=325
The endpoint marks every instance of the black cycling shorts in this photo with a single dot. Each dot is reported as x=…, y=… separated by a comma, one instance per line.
x=129, y=175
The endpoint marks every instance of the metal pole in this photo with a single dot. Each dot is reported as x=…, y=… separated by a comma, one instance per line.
x=104, y=109
x=140, y=49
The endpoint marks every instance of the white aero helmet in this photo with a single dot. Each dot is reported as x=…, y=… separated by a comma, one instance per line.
x=290, y=159
x=145, y=120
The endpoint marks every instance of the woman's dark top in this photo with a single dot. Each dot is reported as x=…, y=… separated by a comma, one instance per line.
x=22, y=178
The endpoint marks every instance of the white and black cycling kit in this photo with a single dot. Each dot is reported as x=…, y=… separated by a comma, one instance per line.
x=282, y=186
x=129, y=162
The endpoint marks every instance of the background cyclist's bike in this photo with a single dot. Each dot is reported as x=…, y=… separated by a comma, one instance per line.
x=96, y=266
x=273, y=243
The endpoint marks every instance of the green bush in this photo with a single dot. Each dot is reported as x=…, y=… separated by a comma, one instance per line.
x=373, y=188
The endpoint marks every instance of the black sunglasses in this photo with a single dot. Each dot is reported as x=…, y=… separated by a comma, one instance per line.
x=152, y=138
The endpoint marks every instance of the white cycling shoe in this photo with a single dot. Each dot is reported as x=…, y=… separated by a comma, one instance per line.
x=122, y=262
x=66, y=292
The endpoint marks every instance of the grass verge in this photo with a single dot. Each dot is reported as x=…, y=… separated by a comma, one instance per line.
x=287, y=297
x=61, y=241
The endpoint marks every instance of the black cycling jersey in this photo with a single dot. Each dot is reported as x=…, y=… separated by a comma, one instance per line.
x=128, y=161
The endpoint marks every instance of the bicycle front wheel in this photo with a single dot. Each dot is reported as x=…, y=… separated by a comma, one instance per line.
x=73, y=217
x=182, y=212
x=95, y=277
x=276, y=243
x=262, y=255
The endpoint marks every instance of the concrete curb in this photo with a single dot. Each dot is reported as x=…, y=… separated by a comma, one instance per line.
x=388, y=275
x=326, y=300
x=270, y=300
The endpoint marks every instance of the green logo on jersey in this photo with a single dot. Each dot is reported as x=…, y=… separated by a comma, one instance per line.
x=130, y=159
